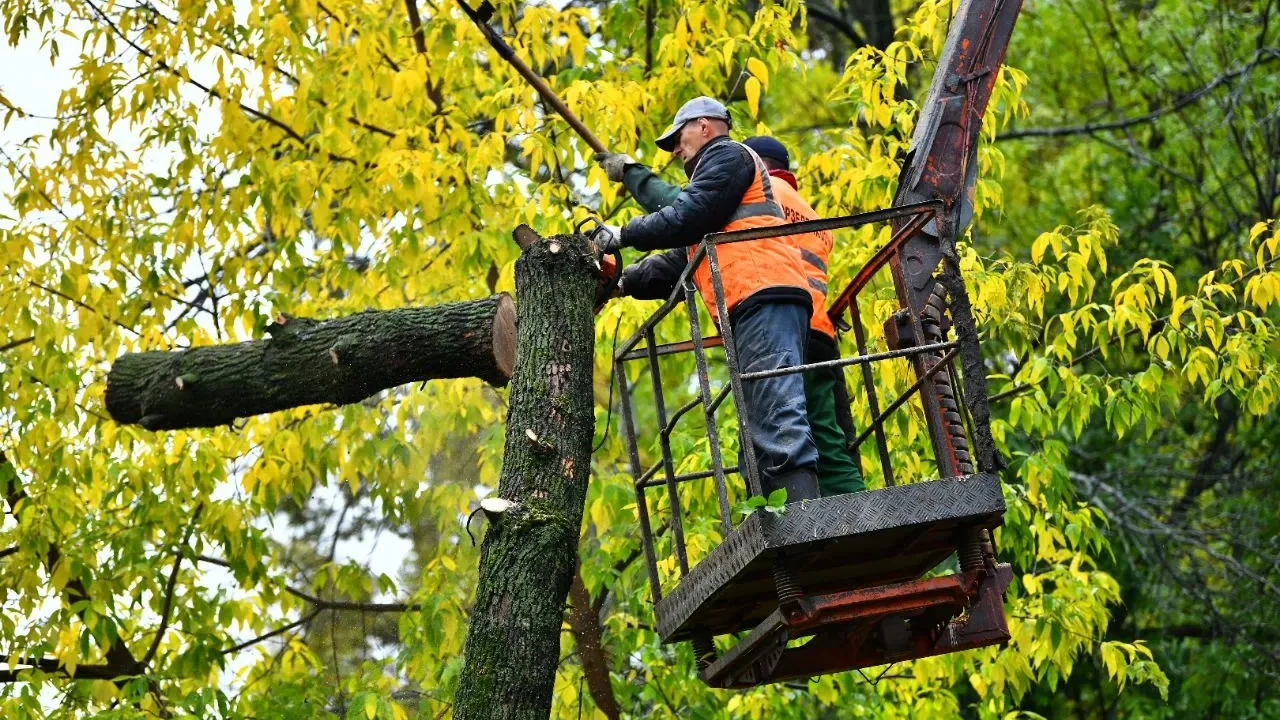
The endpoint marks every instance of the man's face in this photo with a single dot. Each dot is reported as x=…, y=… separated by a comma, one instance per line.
x=693, y=136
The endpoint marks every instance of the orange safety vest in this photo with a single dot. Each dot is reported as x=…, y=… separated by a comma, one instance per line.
x=815, y=251
x=751, y=266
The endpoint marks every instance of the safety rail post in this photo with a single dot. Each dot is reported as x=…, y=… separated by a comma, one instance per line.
x=668, y=465
x=873, y=401
x=708, y=410
x=747, y=448
x=642, y=504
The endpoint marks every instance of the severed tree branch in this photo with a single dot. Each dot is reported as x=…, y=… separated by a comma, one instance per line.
x=305, y=362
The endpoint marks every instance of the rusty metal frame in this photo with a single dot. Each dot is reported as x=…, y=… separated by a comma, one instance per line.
x=643, y=345
x=936, y=615
x=975, y=501
x=931, y=207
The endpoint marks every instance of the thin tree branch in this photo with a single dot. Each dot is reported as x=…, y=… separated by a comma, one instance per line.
x=83, y=306
x=210, y=91
x=420, y=42
x=1158, y=527
x=53, y=665
x=1260, y=57
x=171, y=586
x=321, y=603
x=16, y=343
x=333, y=16
x=829, y=16
x=278, y=631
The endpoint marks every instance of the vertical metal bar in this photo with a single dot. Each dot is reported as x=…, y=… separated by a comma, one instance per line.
x=751, y=471
x=708, y=411
x=664, y=441
x=646, y=538
x=873, y=400
x=633, y=450
x=939, y=437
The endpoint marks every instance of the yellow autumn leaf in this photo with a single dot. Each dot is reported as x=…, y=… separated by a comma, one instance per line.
x=758, y=69
x=753, y=96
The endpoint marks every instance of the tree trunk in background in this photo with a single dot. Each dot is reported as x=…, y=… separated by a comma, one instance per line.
x=529, y=555
x=584, y=623
x=876, y=18
x=339, y=361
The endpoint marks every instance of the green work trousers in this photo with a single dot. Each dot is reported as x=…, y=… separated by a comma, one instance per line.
x=824, y=394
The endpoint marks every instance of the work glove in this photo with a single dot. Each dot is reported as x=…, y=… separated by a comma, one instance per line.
x=615, y=164
x=608, y=238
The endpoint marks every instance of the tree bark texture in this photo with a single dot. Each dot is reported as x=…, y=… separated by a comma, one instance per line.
x=530, y=552
x=304, y=362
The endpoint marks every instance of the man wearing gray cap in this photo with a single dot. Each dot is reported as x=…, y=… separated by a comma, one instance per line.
x=764, y=282
x=826, y=397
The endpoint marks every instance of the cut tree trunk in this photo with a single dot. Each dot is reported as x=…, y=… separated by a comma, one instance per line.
x=338, y=361
x=530, y=554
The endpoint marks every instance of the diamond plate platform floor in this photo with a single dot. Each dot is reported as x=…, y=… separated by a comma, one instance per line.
x=831, y=544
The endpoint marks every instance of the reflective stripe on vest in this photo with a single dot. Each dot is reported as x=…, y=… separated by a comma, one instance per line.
x=750, y=266
x=812, y=258
x=812, y=250
x=768, y=208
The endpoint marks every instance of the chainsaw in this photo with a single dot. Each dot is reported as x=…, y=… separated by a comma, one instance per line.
x=609, y=273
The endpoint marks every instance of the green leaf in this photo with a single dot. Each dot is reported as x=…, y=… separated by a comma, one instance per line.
x=778, y=497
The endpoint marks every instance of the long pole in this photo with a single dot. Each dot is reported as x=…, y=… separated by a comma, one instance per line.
x=480, y=17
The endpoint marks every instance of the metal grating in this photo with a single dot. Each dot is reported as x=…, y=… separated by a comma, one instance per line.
x=841, y=542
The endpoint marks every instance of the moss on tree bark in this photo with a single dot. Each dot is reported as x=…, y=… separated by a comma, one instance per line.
x=529, y=555
x=339, y=361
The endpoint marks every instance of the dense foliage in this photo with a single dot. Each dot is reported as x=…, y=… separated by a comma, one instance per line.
x=209, y=165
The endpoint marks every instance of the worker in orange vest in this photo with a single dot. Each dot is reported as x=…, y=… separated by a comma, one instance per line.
x=764, y=282
x=826, y=395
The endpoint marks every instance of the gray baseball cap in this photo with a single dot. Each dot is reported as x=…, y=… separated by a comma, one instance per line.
x=699, y=107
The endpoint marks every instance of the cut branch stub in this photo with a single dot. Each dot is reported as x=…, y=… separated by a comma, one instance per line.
x=305, y=362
